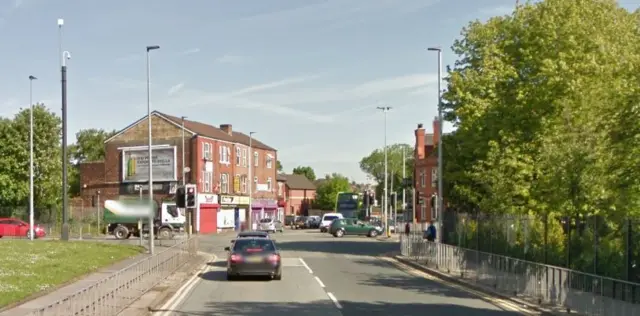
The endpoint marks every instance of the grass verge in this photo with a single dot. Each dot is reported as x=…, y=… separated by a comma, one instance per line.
x=28, y=267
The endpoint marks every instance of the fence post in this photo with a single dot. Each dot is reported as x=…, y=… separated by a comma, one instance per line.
x=546, y=238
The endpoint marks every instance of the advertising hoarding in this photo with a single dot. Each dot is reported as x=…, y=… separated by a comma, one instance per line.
x=135, y=164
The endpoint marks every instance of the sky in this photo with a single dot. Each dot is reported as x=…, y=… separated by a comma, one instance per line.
x=305, y=75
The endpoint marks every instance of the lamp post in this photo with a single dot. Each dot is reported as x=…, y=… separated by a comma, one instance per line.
x=187, y=212
x=439, y=201
x=251, y=182
x=64, y=56
x=151, y=217
x=385, y=109
x=31, y=211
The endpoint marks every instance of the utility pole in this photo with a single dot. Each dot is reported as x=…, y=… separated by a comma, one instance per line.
x=31, y=210
x=385, y=206
x=439, y=145
x=151, y=203
x=187, y=212
x=251, y=182
x=64, y=55
x=404, y=183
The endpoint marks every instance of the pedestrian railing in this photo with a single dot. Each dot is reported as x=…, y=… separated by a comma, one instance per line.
x=535, y=283
x=111, y=295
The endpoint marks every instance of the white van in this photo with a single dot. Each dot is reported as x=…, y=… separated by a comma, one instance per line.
x=327, y=219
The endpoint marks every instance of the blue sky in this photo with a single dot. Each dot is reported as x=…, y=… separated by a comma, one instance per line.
x=306, y=75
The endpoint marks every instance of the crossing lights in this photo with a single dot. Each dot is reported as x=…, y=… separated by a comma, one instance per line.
x=190, y=196
x=180, y=197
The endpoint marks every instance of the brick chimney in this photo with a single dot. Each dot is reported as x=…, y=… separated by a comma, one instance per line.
x=226, y=128
x=420, y=142
x=436, y=131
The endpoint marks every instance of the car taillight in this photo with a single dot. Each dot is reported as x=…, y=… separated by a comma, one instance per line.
x=273, y=258
x=236, y=258
x=253, y=250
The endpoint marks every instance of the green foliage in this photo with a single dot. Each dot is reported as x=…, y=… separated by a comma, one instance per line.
x=279, y=166
x=546, y=105
x=14, y=158
x=327, y=191
x=373, y=165
x=305, y=171
x=89, y=146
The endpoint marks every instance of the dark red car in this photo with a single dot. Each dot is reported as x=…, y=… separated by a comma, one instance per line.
x=12, y=227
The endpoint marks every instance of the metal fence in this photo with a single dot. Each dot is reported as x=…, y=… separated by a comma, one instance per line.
x=114, y=293
x=539, y=284
x=84, y=221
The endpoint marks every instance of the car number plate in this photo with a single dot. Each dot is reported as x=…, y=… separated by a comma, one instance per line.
x=254, y=259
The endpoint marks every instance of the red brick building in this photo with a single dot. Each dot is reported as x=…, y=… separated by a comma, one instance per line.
x=425, y=171
x=300, y=193
x=218, y=159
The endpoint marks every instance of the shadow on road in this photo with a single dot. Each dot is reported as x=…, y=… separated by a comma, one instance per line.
x=327, y=308
x=414, y=284
x=341, y=246
x=220, y=264
x=222, y=276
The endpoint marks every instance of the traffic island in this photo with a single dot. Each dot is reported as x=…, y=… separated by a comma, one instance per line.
x=31, y=269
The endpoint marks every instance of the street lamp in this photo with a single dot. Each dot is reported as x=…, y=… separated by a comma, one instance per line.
x=31, y=211
x=250, y=224
x=64, y=56
x=439, y=201
x=385, y=109
x=184, y=182
x=151, y=234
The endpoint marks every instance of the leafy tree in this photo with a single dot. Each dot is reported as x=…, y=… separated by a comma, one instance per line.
x=546, y=110
x=326, y=192
x=373, y=165
x=305, y=171
x=279, y=166
x=89, y=146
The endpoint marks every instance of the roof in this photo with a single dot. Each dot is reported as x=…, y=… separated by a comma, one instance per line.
x=206, y=130
x=299, y=182
x=281, y=177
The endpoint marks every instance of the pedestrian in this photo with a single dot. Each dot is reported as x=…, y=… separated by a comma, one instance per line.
x=431, y=232
x=407, y=228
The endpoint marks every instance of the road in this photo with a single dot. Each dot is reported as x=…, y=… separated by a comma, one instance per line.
x=323, y=275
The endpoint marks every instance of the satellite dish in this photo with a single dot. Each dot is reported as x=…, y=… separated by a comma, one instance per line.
x=187, y=169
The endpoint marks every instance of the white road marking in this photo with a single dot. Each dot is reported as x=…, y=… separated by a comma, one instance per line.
x=334, y=300
x=306, y=266
x=181, y=294
x=320, y=282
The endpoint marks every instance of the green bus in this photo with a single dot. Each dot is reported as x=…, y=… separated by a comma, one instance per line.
x=348, y=204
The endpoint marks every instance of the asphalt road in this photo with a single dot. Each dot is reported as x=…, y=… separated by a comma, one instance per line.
x=323, y=275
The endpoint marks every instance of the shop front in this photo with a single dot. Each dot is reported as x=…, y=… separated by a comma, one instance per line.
x=233, y=209
x=207, y=213
x=263, y=208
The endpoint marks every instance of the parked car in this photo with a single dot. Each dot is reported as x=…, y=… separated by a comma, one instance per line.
x=327, y=219
x=314, y=222
x=290, y=219
x=353, y=226
x=254, y=257
x=13, y=227
x=270, y=225
x=300, y=223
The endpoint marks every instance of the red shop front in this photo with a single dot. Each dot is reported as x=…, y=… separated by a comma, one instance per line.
x=207, y=213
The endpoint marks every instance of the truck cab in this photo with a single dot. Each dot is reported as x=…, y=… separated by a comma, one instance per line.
x=168, y=220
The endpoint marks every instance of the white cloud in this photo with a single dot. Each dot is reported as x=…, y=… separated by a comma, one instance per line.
x=386, y=85
x=232, y=59
x=190, y=51
x=497, y=11
x=175, y=89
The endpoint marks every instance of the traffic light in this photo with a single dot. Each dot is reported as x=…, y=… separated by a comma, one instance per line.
x=434, y=200
x=190, y=196
x=180, y=197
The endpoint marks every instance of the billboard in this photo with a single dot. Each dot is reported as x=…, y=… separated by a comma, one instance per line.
x=135, y=164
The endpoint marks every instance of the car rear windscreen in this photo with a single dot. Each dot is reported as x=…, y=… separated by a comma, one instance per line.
x=329, y=218
x=265, y=220
x=253, y=245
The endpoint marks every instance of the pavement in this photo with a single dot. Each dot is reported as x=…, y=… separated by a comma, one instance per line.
x=323, y=275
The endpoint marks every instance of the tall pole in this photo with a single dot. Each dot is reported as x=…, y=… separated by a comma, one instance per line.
x=63, y=74
x=439, y=145
x=184, y=181
x=404, y=190
x=250, y=221
x=151, y=217
x=385, y=212
x=31, y=210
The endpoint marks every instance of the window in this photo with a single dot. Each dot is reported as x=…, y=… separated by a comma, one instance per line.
x=423, y=179
x=206, y=151
x=269, y=187
x=208, y=178
x=269, y=161
x=255, y=158
x=238, y=156
x=423, y=212
x=255, y=183
x=224, y=183
x=434, y=211
x=224, y=154
x=280, y=185
x=244, y=157
x=243, y=184
x=434, y=177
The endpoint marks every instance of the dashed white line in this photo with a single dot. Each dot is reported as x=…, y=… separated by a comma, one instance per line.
x=320, y=282
x=334, y=299
x=305, y=265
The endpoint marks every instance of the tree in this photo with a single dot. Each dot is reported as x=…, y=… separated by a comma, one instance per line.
x=14, y=159
x=89, y=146
x=305, y=171
x=279, y=166
x=546, y=110
x=326, y=192
x=373, y=165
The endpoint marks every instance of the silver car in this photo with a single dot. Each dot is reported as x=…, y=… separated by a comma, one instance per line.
x=270, y=225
